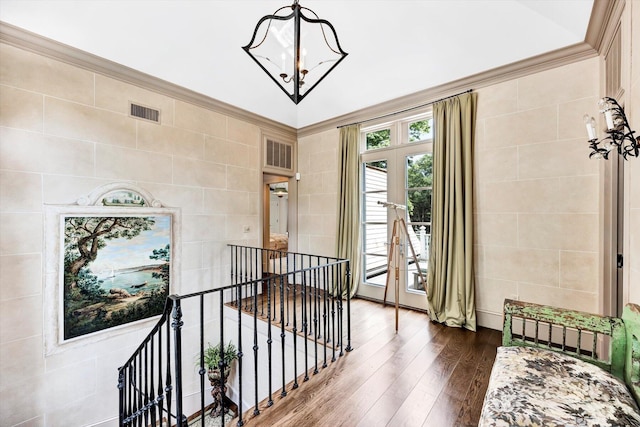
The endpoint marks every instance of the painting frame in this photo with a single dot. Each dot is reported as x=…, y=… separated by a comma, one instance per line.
x=90, y=310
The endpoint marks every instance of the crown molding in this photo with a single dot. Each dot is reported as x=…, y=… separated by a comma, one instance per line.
x=32, y=42
x=556, y=58
x=604, y=19
x=605, y=16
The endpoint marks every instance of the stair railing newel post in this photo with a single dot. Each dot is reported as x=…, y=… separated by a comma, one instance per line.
x=176, y=324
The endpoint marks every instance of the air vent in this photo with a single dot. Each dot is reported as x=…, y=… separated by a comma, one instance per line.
x=278, y=155
x=145, y=113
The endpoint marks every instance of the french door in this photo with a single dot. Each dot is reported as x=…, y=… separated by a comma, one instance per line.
x=396, y=223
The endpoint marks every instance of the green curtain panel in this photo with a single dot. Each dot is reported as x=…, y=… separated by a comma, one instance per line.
x=450, y=280
x=348, y=242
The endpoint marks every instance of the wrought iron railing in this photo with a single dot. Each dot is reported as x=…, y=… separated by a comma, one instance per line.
x=285, y=313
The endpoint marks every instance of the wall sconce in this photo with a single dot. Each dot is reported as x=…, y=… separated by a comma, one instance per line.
x=297, y=51
x=619, y=134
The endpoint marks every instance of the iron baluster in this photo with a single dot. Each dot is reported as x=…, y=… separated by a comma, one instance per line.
x=221, y=363
x=295, y=333
x=146, y=389
x=177, y=344
x=324, y=313
x=139, y=388
x=256, y=409
x=348, y=278
x=121, y=395
x=202, y=370
x=152, y=388
x=283, y=393
x=240, y=357
x=315, y=320
x=168, y=387
x=333, y=313
x=269, y=341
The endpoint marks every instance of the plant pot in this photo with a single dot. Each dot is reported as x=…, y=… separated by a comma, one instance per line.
x=215, y=377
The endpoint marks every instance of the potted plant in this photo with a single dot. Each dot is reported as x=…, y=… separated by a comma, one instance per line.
x=213, y=360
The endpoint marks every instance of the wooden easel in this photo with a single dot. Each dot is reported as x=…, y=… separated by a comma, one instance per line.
x=399, y=225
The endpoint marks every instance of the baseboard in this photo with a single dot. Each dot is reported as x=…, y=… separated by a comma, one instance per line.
x=489, y=319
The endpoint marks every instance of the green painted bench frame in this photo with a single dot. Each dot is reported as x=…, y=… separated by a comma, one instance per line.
x=623, y=352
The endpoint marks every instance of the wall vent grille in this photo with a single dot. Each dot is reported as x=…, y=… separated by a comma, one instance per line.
x=279, y=155
x=144, y=113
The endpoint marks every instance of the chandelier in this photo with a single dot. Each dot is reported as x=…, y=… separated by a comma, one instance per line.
x=619, y=134
x=297, y=50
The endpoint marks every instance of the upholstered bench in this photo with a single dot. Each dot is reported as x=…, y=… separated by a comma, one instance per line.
x=540, y=378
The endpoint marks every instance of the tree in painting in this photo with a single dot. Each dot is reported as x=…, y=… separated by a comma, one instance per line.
x=92, y=303
x=84, y=236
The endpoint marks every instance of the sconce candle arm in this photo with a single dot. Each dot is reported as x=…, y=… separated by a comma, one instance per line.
x=618, y=133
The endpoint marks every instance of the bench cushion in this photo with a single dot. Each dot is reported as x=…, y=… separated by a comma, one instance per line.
x=537, y=387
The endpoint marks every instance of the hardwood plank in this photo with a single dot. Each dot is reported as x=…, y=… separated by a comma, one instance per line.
x=415, y=409
x=426, y=374
x=451, y=406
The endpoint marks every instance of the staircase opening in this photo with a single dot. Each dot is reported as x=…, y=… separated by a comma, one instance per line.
x=282, y=310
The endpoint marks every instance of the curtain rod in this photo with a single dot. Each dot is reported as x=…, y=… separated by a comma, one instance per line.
x=405, y=110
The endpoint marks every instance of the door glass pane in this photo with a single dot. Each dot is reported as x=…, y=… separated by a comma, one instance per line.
x=374, y=236
x=378, y=139
x=419, y=178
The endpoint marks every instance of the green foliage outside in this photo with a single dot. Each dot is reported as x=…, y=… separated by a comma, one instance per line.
x=419, y=130
x=419, y=180
x=379, y=139
x=419, y=169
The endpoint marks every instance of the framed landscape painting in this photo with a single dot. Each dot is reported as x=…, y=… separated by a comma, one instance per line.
x=112, y=260
x=116, y=270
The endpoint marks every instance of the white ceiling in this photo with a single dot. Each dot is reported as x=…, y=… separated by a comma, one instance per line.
x=396, y=47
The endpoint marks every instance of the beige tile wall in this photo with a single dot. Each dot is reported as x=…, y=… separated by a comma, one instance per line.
x=318, y=192
x=537, y=212
x=63, y=132
x=537, y=208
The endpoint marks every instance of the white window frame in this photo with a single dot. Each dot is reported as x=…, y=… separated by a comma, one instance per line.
x=399, y=142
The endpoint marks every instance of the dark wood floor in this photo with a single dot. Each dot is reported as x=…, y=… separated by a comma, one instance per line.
x=425, y=375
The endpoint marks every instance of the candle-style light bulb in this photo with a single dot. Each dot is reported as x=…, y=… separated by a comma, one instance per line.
x=608, y=116
x=590, y=124
x=606, y=108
